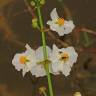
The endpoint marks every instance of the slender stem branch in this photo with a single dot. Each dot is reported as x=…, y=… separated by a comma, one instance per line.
x=43, y=33
x=57, y=39
x=29, y=8
x=44, y=49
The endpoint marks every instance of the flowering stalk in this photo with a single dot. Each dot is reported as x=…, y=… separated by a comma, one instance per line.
x=44, y=48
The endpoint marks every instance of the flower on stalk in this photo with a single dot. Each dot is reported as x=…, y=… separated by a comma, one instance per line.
x=24, y=61
x=77, y=94
x=63, y=59
x=60, y=25
x=38, y=70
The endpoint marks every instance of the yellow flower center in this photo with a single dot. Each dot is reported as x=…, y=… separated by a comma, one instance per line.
x=23, y=59
x=60, y=21
x=64, y=57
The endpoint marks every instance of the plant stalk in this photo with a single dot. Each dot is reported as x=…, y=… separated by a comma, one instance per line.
x=44, y=49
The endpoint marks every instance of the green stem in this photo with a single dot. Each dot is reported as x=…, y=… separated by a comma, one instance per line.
x=43, y=33
x=44, y=49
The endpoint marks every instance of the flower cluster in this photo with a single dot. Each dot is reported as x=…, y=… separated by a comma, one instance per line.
x=45, y=60
x=59, y=60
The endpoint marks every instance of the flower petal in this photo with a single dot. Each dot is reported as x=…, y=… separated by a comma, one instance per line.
x=56, y=67
x=60, y=31
x=54, y=14
x=24, y=71
x=49, y=22
x=16, y=62
x=40, y=55
x=38, y=71
x=72, y=55
x=66, y=70
x=68, y=26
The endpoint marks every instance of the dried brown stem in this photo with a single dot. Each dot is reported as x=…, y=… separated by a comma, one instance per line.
x=57, y=39
x=83, y=29
x=30, y=9
x=19, y=13
x=7, y=33
x=88, y=31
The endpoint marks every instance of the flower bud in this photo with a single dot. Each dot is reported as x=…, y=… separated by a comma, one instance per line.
x=34, y=23
x=42, y=2
x=33, y=3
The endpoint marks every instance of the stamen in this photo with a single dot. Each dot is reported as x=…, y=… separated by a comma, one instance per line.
x=23, y=59
x=64, y=57
x=60, y=21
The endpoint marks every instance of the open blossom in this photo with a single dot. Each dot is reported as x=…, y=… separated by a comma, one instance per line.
x=63, y=59
x=24, y=61
x=38, y=70
x=60, y=25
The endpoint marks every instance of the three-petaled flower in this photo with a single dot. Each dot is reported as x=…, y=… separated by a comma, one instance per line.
x=60, y=25
x=24, y=61
x=63, y=59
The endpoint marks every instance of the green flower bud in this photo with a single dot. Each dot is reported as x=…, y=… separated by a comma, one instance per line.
x=35, y=23
x=42, y=2
x=33, y=3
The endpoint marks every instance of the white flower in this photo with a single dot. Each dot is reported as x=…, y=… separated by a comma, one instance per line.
x=24, y=61
x=38, y=70
x=77, y=94
x=63, y=59
x=60, y=25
